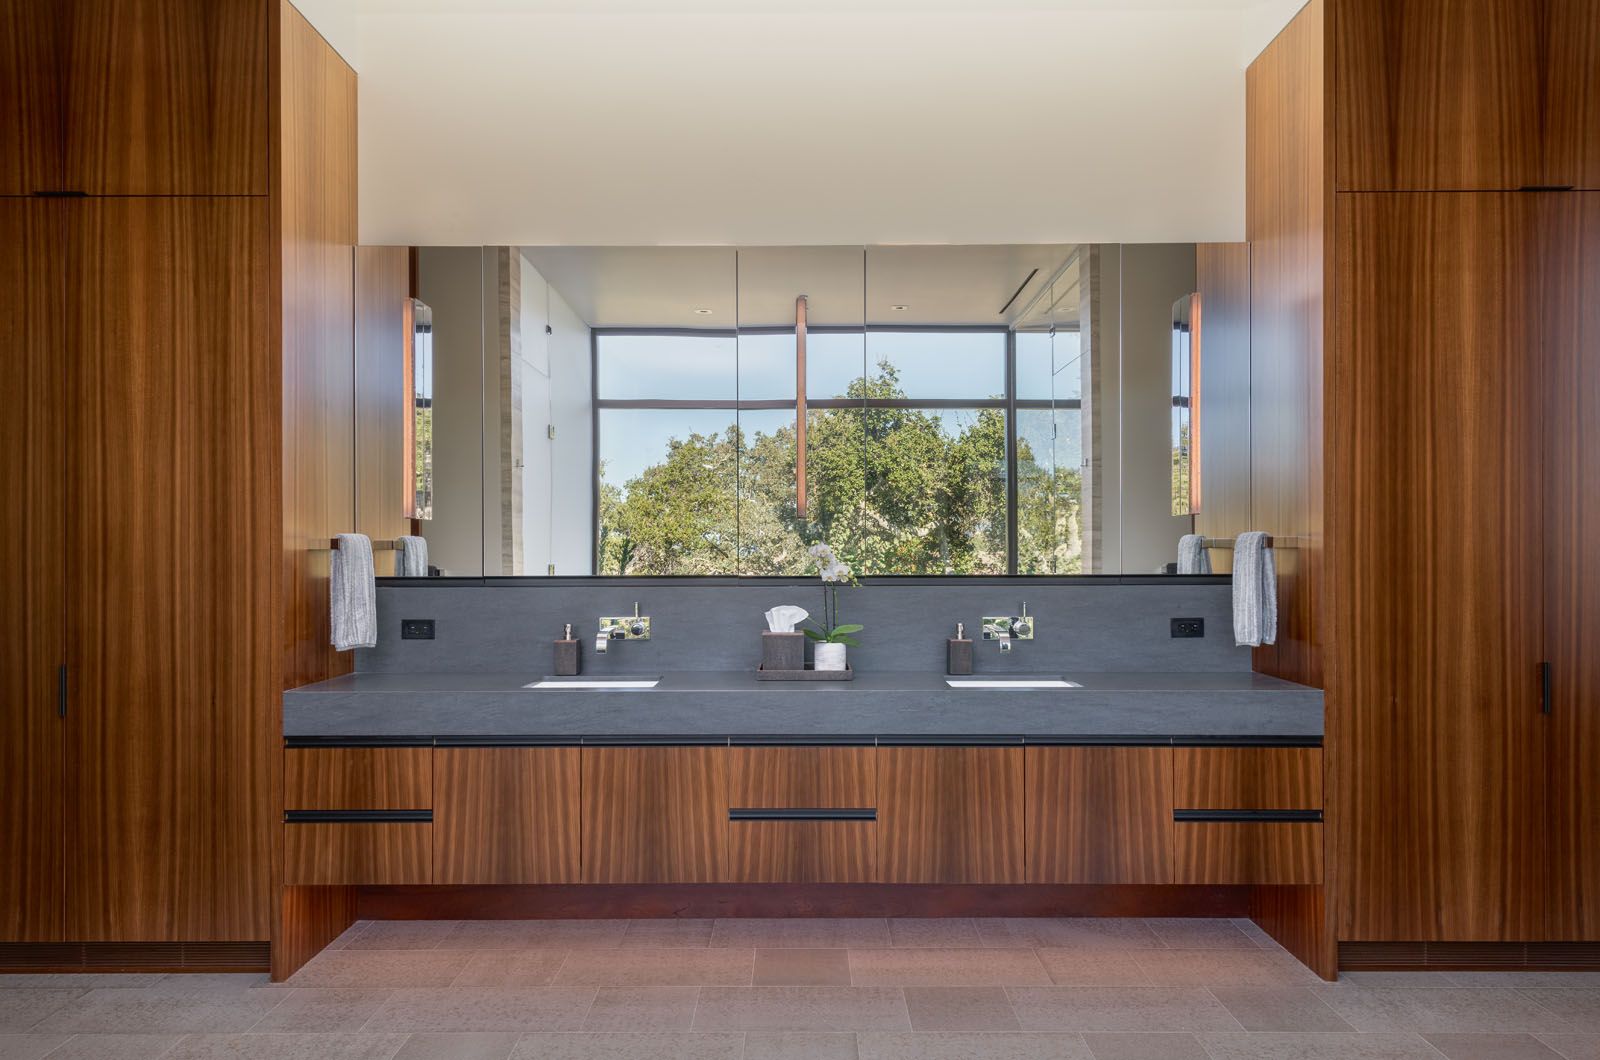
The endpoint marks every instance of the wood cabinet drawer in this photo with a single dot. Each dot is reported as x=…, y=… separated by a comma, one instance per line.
x=1248, y=851
x=358, y=778
x=1248, y=778
x=790, y=850
x=1099, y=814
x=950, y=814
x=357, y=852
x=803, y=777
x=506, y=815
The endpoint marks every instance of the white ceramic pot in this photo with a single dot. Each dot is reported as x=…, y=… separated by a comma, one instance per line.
x=829, y=656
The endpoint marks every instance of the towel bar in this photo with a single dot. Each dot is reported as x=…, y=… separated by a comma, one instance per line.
x=378, y=544
x=1227, y=542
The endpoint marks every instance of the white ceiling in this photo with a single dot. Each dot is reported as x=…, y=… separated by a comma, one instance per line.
x=762, y=122
x=714, y=287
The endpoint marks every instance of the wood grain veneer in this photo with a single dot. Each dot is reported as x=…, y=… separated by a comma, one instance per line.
x=1297, y=916
x=32, y=611
x=950, y=814
x=1572, y=94
x=1288, y=212
x=309, y=918
x=802, y=851
x=383, y=403
x=506, y=815
x=803, y=777
x=166, y=97
x=315, y=213
x=654, y=814
x=1248, y=778
x=343, y=852
x=358, y=778
x=1572, y=567
x=172, y=388
x=30, y=96
x=1257, y=852
x=1439, y=808
x=1098, y=814
x=1222, y=278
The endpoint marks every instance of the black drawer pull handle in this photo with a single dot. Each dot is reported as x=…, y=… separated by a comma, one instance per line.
x=354, y=816
x=1247, y=815
x=870, y=814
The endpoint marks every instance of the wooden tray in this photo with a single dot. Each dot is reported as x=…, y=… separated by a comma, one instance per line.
x=808, y=674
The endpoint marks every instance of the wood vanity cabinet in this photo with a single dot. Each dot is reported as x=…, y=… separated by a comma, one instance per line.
x=357, y=815
x=1248, y=815
x=950, y=814
x=802, y=815
x=1099, y=814
x=506, y=815
x=654, y=814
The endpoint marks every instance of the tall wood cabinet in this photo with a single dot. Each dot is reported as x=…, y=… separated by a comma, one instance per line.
x=139, y=286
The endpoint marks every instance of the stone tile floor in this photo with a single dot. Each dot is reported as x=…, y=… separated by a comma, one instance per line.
x=804, y=990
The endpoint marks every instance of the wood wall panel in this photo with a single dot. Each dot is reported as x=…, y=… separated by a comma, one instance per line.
x=32, y=615
x=1437, y=94
x=802, y=852
x=803, y=777
x=1439, y=808
x=1287, y=215
x=506, y=815
x=308, y=918
x=1222, y=277
x=358, y=778
x=30, y=96
x=315, y=204
x=338, y=853
x=950, y=814
x=1248, y=778
x=1572, y=568
x=1224, y=852
x=654, y=814
x=1098, y=814
x=174, y=415
x=1572, y=94
x=166, y=97
x=383, y=292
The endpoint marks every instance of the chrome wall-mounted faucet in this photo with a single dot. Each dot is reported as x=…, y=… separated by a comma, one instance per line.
x=613, y=628
x=1008, y=628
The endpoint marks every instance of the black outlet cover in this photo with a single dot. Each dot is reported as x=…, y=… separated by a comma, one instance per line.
x=1188, y=627
x=422, y=629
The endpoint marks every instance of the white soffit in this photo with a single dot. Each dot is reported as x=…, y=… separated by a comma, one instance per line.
x=760, y=122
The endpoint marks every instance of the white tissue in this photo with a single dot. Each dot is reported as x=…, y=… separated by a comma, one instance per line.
x=784, y=619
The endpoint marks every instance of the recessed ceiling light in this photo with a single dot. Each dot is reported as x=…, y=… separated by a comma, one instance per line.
x=703, y=312
x=899, y=308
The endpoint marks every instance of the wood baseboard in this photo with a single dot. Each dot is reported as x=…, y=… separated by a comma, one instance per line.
x=590, y=901
x=134, y=956
x=1468, y=956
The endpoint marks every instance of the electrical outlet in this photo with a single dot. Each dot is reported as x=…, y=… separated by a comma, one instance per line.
x=418, y=629
x=1188, y=627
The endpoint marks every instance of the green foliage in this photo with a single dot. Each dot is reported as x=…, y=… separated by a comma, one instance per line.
x=894, y=489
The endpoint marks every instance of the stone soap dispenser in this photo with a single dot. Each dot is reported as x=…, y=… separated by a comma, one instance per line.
x=567, y=654
x=958, y=659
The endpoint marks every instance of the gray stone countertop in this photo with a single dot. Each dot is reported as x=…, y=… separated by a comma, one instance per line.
x=881, y=705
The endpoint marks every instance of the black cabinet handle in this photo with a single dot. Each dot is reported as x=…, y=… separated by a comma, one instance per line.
x=61, y=691
x=806, y=814
x=1544, y=688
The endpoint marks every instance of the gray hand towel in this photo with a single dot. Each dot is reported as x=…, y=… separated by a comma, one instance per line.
x=352, y=594
x=1193, y=557
x=1255, y=591
x=410, y=557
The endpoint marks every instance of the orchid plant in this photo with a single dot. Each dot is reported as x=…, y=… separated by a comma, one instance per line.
x=835, y=572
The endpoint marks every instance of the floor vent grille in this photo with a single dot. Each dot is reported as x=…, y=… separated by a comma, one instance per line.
x=1466, y=956
x=134, y=956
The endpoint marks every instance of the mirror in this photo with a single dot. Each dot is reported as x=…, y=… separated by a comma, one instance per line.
x=926, y=410
x=418, y=361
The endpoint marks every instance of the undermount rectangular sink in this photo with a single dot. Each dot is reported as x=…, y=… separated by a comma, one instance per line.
x=621, y=684
x=1010, y=682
